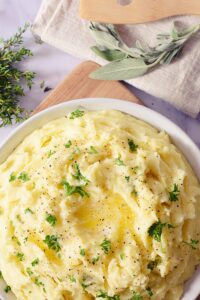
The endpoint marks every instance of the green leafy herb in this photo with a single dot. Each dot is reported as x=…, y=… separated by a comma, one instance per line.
x=152, y=264
x=52, y=242
x=95, y=260
x=85, y=285
x=155, y=231
x=12, y=177
x=149, y=291
x=130, y=62
x=76, y=114
x=51, y=219
x=92, y=150
x=24, y=177
x=193, y=243
x=7, y=289
x=72, y=278
x=50, y=153
x=136, y=296
x=68, y=144
x=174, y=194
x=12, y=52
x=122, y=256
x=104, y=295
x=20, y=256
x=127, y=178
x=1, y=276
x=29, y=272
x=119, y=161
x=106, y=246
x=38, y=282
x=28, y=210
x=132, y=146
x=82, y=252
x=78, y=174
x=71, y=189
x=35, y=262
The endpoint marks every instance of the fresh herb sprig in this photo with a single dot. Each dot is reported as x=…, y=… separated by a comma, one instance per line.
x=174, y=194
x=12, y=51
x=130, y=62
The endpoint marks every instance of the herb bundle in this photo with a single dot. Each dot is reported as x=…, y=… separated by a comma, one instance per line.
x=12, y=52
x=130, y=62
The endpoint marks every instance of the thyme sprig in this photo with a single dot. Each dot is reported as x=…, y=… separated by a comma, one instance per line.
x=12, y=52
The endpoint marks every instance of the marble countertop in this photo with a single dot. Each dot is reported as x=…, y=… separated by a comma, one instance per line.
x=51, y=65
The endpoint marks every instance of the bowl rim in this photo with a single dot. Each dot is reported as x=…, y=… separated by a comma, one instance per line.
x=155, y=119
x=139, y=111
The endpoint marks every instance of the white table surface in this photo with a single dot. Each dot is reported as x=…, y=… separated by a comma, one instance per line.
x=51, y=65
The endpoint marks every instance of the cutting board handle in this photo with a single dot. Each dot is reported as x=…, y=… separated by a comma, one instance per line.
x=138, y=11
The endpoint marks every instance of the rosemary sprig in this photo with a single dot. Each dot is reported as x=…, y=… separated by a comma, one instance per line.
x=12, y=52
x=130, y=62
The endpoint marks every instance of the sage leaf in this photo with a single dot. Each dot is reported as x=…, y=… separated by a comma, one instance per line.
x=110, y=55
x=130, y=62
x=121, y=70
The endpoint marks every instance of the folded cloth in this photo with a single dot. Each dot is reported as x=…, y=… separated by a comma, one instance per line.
x=58, y=23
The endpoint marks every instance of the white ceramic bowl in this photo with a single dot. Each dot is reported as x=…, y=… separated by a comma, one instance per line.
x=179, y=137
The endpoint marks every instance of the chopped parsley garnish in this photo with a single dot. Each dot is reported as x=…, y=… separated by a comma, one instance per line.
x=106, y=246
x=18, y=218
x=127, y=178
x=50, y=153
x=149, y=291
x=38, y=282
x=24, y=177
x=78, y=174
x=29, y=272
x=28, y=210
x=12, y=177
x=1, y=276
x=35, y=262
x=51, y=219
x=76, y=114
x=174, y=194
x=68, y=145
x=122, y=256
x=82, y=252
x=152, y=264
x=132, y=146
x=95, y=260
x=155, y=231
x=92, y=150
x=85, y=285
x=72, y=189
x=7, y=289
x=119, y=161
x=52, y=242
x=136, y=296
x=72, y=278
x=20, y=256
x=104, y=295
x=192, y=243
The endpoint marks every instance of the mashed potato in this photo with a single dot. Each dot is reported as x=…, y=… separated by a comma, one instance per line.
x=98, y=205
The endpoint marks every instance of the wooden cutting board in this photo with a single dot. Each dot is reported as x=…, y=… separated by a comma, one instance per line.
x=78, y=85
